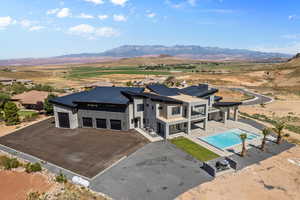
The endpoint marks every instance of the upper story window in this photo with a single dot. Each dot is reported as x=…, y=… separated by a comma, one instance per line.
x=140, y=107
x=176, y=110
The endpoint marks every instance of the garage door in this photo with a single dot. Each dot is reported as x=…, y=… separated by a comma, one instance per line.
x=63, y=119
x=116, y=124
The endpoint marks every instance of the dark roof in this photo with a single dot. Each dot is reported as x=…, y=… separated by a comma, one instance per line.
x=153, y=97
x=201, y=90
x=105, y=95
x=216, y=98
x=227, y=104
x=68, y=99
x=163, y=90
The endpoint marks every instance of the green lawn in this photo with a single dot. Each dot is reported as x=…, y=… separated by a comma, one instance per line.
x=89, y=72
x=27, y=113
x=194, y=149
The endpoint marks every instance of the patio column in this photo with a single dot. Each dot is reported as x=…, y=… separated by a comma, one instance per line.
x=167, y=129
x=228, y=113
x=236, y=114
x=205, y=124
x=225, y=117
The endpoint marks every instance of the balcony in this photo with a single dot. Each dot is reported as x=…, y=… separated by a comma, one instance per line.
x=197, y=115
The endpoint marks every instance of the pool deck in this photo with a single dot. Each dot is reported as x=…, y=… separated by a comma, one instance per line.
x=219, y=127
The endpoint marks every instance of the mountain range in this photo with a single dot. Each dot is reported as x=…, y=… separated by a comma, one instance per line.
x=187, y=51
x=129, y=51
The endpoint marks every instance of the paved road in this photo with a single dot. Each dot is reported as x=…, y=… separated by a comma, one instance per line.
x=259, y=99
x=157, y=171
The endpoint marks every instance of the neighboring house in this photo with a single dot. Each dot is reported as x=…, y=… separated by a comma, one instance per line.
x=10, y=81
x=164, y=110
x=98, y=84
x=25, y=82
x=7, y=81
x=32, y=99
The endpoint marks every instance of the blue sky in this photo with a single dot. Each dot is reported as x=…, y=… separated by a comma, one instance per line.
x=42, y=28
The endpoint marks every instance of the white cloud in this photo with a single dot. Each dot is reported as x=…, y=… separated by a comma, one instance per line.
x=91, y=32
x=6, y=21
x=26, y=23
x=36, y=28
x=96, y=2
x=52, y=11
x=192, y=2
x=64, y=12
x=106, y=32
x=102, y=17
x=60, y=13
x=86, y=16
x=119, y=18
x=291, y=36
x=151, y=15
x=119, y=2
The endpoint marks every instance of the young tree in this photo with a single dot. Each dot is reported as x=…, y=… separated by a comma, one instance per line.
x=265, y=132
x=11, y=116
x=3, y=99
x=48, y=107
x=18, y=88
x=243, y=138
x=278, y=129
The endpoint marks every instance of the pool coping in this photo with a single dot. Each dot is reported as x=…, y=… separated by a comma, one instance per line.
x=225, y=149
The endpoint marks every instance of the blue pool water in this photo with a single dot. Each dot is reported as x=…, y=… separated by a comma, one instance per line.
x=228, y=138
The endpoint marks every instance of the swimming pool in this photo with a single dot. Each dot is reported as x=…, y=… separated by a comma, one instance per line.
x=228, y=139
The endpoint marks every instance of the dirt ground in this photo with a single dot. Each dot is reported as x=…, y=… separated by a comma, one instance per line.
x=280, y=108
x=230, y=95
x=17, y=185
x=5, y=130
x=275, y=178
x=68, y=148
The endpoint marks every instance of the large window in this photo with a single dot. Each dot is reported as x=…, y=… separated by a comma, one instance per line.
x=198, y=110
x=140, y=107
x=176, y=110
x=116, y=124
x=173, y=129
x=87, y=122
x=101, y=123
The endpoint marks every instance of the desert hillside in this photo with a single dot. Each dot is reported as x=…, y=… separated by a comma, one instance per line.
x=295, y=61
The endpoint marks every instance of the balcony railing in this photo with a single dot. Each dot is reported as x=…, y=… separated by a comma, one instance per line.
x=196, y=115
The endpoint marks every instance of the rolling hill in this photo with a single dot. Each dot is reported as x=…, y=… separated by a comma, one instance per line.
x=191, y=51
x=132, y=51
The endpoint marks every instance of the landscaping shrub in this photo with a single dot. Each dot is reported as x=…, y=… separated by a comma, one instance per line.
x=3, y=99
x=48, y=107
x=36, y=196
x=35, y=167
x=11, y=115
x=264, y=118
x=9, y=163
x=18, y=88
x=61, y=178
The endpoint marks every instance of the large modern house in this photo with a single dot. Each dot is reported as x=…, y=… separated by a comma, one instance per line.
x=156, y=108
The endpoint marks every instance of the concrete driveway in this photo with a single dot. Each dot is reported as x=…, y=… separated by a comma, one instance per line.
x=157, y=171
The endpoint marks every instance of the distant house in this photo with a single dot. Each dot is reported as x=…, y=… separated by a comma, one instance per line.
x=7, y=81
x=98, y=84
x=24, y=81
x=31, y=100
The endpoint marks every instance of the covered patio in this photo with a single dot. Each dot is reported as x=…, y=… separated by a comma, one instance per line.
x=224, y=111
